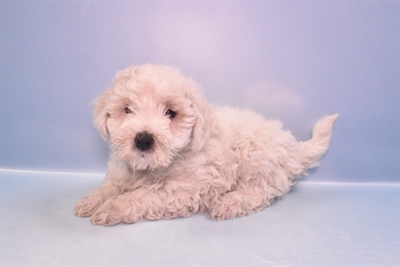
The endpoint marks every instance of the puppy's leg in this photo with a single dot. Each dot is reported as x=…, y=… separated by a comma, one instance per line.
x=247, y=198
x=236, y=204
x=90, y=203
x=145, y=204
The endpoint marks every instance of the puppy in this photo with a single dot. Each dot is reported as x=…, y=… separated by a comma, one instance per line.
x=173, y=154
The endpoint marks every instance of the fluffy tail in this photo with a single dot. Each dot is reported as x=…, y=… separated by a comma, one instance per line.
x=317, y=146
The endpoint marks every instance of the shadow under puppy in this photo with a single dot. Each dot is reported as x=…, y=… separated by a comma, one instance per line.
x=173, y=154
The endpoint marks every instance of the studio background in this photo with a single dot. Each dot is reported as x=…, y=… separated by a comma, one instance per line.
x=296, y=61
x=293, y=60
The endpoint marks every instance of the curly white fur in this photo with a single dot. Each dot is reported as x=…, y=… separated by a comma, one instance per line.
x=193, y=157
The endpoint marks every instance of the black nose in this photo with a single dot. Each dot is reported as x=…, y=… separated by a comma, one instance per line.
x=144, y=141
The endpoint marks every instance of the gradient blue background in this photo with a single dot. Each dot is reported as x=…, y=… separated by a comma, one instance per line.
x=297, y=61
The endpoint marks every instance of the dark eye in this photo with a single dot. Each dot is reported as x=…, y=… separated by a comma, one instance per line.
x=171, y=114
x=127, y=110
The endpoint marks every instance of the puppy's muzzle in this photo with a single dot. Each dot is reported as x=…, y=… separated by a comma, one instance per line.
x=144, y=141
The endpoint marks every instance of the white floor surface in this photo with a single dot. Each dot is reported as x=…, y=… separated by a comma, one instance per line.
x=316, y=224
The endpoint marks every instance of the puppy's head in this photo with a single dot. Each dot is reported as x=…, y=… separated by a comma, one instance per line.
x=150, y=114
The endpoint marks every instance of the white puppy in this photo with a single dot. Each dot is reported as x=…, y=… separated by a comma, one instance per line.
x=173, y=155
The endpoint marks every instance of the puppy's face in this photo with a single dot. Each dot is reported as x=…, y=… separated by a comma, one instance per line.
x=150, y=115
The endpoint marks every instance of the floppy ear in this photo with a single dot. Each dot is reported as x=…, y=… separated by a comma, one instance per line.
x=204, y=121
x=101, y=115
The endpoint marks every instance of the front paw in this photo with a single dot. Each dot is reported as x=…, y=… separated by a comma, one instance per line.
x=88, y=205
